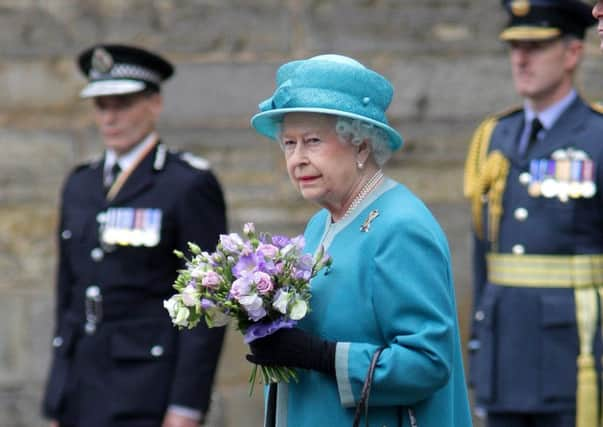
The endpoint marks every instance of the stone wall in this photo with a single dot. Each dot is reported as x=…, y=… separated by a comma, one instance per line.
x=443, y=57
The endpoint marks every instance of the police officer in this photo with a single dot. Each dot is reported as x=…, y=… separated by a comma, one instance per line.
x=533, y=175
x=117, y=359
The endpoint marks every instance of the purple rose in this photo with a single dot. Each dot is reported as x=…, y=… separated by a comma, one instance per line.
x=263, y=282
x=267, y=251
x=211, y=280
x=240, y=288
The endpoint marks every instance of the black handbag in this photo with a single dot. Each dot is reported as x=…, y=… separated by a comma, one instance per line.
x=363, y=405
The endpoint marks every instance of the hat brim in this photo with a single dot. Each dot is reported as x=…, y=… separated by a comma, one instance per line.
x=267, y=122
x=526, y=32
x=112, y=87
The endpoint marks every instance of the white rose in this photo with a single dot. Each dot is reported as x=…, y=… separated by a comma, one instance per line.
x=299, y=309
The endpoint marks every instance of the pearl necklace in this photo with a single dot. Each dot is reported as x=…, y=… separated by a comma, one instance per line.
x=364, y=191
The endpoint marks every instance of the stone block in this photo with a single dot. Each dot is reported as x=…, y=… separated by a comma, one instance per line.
x=434, y=88
x=34, y=164
x=210, y=94
x=27, y=242
x=400, y=27
x=39, y=84
x=13, y=327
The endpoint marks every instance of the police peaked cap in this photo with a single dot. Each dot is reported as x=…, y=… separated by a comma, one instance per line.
x=546, y=19
x=115, y=69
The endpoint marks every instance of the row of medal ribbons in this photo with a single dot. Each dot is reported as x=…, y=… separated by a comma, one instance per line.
x=131, y=226
x=564, y=178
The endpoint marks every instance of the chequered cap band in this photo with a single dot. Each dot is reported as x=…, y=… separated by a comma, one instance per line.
x=127, y=71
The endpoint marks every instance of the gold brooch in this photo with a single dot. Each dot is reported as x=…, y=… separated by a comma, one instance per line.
x=366, y=225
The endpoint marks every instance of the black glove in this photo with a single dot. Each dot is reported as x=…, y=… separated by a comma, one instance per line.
x=294, y=348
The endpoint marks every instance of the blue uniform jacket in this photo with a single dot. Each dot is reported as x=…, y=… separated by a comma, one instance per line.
x=136, y=363
x=525, y=342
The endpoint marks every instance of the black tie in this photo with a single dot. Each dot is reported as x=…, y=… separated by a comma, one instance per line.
x=535, y=127
x=115, y=171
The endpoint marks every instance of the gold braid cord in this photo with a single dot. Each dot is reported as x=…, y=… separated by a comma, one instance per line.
x=485, y=174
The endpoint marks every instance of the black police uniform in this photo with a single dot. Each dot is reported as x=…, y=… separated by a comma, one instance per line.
x=538, y=253
x=117, y=359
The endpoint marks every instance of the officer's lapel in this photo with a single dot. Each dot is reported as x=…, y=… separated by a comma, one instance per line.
x=510, y=131
x=563, y=133
x=139, y=180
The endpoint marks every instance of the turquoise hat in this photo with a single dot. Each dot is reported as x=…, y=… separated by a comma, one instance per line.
x=328, y=84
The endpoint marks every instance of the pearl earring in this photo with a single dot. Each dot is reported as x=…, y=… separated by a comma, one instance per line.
x=360, y=164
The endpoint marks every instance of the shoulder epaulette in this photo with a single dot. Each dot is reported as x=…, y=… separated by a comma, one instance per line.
x=508, y=112
x=596, y=107
x=478, y=148
x=195, y=161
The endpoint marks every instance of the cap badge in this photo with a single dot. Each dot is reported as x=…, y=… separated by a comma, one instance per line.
x=102, y=61
x=520, y=7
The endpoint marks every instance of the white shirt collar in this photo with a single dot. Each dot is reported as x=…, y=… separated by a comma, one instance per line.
x=549, y=116
x=126, y=160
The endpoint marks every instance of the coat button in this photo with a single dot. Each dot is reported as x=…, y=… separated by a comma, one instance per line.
x=66, y=235
x=156, y=351
x=97, y=254
x=518, y=249
x=521, y=214
x=480, y=315
x=57, y=342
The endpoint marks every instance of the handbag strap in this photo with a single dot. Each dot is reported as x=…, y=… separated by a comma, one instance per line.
x=366, y=391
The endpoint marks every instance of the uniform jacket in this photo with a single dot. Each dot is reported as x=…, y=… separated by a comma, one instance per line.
x=135, y=363
x=392, y=286
x=525, y=341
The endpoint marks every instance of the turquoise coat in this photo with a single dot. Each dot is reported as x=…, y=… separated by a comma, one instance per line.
x=391, y=285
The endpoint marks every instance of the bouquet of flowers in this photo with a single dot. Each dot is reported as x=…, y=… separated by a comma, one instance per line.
x=260, y=281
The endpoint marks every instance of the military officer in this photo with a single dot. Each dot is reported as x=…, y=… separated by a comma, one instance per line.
x=598, y=15
x=533, y=175
x=117, y=359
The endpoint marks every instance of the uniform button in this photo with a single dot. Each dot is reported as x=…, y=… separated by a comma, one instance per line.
x=521, y=214
x=92, y=292
x=66, y=235
x=97, y=254
x=518, y=249
x=525, y=178
x=156, y=351
x=480, y=315
x=473, y=345
x=57, y=342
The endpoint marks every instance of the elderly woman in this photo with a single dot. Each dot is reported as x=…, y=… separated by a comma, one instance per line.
x=390, y=284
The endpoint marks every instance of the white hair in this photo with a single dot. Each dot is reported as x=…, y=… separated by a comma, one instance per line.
x=356, y=132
